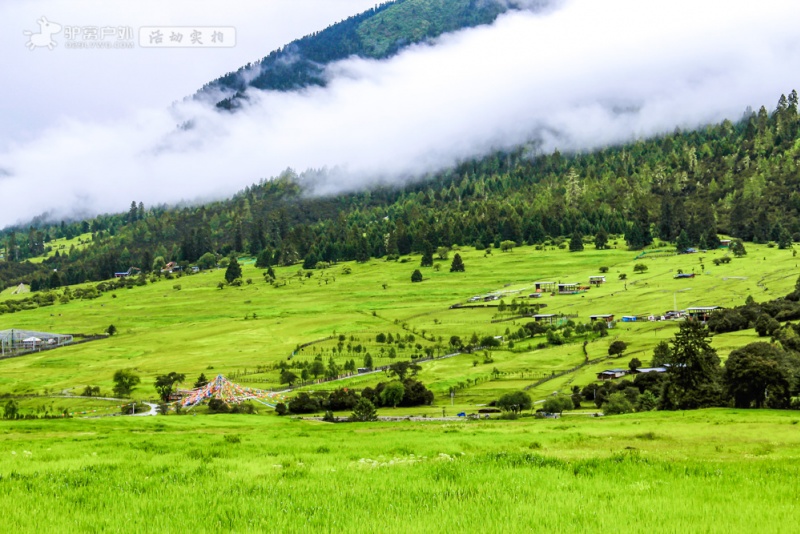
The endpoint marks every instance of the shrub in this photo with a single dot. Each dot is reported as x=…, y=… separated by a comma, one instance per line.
x=617, y=403
x=515, y=402
x=329, y=417
x=647, y=401
x=304, y=403
x=617, y=348
x=364, y=411
x=558, y=403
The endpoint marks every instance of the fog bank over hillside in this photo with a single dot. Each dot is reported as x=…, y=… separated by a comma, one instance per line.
x=581, y=76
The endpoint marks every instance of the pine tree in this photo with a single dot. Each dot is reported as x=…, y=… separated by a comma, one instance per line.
x=634, y=237
x=133, y=213
x=362, y=250
x=601, y=239
x=264, y=258
x=238, y=240
x=784, y=239
x=364, y=411
x=683, y=243
x=458, y=265
x=694, y=372
x=201, y=381
x=576, y=243
x=416, y=276
x=233, y=271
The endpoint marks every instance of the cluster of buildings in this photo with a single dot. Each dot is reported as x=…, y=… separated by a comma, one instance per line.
x=611, y=374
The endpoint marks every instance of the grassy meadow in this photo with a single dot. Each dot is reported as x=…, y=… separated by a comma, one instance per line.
x=189, y=325
x=710, y=471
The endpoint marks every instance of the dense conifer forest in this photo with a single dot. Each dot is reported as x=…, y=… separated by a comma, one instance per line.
x=739, y=179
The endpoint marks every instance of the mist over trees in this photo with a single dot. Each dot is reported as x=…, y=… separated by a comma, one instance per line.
x=738, y=179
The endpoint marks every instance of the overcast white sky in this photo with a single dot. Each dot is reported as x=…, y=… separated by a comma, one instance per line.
x=91, y=130
x=39, y=87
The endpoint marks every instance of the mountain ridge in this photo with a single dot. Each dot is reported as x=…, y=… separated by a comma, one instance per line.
x=377, y=33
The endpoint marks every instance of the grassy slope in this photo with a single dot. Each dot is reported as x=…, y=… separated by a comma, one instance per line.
x=711, y=471
x=189, y=330
x=63, y=245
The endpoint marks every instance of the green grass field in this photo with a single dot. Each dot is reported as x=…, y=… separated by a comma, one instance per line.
x=713, y=470
x=63, y=245
x=200, y=328
x=710, y=471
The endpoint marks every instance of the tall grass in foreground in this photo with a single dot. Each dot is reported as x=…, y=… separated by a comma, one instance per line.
x=715, y=471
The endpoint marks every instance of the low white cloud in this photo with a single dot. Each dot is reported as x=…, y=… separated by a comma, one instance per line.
x=583, y=76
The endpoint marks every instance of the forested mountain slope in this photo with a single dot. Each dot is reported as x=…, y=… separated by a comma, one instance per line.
x=739, y=179
x=376, y=33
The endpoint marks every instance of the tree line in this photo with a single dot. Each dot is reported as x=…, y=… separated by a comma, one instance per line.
x=738, y=179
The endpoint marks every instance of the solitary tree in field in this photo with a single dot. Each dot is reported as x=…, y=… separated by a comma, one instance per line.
x=288, y=377
x=233, y=271
x=201, y=381
x=639, y=268
x=694, y=372
x=617, y=348
x=125, y=381
x=516, y=401
x=507, y=245
x=442, y=252
x=634, y=364
x=576, y=242
x=165, y=383
x=458, y=265
x=737, y=247
x=368, y=361
x=416, y=276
